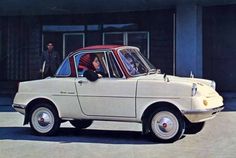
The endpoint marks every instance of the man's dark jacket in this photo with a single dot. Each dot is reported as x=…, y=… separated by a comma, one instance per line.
x=52, y=61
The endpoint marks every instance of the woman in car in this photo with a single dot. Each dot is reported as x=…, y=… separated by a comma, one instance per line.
x=92, y=68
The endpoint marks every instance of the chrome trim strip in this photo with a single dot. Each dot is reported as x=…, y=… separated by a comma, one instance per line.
x=19, y=106
x=213, y=110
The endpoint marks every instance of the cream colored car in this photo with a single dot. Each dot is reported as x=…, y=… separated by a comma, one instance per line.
x=124, y=87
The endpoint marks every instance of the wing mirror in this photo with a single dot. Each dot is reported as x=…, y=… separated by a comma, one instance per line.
x=158, y=71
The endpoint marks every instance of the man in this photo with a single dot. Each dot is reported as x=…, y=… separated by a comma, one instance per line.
x=49, y=61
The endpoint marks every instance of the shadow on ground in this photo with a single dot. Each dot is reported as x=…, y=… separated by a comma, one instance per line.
x=71, y=135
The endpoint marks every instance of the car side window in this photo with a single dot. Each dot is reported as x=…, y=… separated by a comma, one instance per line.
x=113, y=66
x=64, y=69
x=91, y=61
x=80, y=69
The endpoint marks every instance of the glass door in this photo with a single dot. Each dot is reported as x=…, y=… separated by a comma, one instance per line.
x=56, y=39
x=116, y=38
x=72, y=42
x=137, y=39
x=140, y=40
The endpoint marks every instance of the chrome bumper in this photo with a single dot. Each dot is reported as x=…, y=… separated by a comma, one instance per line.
x=202, y=115
x=19, y=108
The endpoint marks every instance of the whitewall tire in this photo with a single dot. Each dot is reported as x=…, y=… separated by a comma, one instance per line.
x=44, y=119
x=166, y=125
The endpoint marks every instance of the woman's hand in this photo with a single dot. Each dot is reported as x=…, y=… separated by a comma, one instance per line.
x=99, y=76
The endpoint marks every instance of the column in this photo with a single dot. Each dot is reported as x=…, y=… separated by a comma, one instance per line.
x=188, y=40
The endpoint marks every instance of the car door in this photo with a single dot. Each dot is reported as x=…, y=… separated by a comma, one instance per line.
x=112, y=96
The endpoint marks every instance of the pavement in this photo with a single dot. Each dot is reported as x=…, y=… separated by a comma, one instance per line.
x=116, y=139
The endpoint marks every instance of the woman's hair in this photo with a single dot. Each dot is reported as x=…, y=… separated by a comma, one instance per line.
x=87, y=61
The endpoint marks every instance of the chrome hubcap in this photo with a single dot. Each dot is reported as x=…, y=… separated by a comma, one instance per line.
x=165, y=125
x=42, y=120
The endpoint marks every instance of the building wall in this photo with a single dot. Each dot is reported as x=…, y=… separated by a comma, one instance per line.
x=22, y=38
x=20, y=50
x=219, y=46
x=158, y=23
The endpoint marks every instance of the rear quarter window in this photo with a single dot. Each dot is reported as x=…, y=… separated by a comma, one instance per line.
x=64, y=69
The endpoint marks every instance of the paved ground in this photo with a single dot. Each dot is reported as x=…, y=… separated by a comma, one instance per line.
x=114, y=139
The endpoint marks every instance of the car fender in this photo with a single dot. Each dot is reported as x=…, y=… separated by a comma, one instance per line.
x=142, y=104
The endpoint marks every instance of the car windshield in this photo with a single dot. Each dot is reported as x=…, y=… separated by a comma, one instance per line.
x=135, y=63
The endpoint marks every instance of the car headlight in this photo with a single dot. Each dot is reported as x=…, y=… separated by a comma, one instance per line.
x=213, y=84
x=194, y=89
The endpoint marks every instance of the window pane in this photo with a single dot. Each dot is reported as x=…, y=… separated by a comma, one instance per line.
x=113, y=67
x=139, y=40
x=80, y=69
x=114, y=38
x=63, y=28
x=64, y=69
x=133, y=62
x=93, y=27
x=91, y=61
x=117, y=27
x=93, y=38
x=72, y=42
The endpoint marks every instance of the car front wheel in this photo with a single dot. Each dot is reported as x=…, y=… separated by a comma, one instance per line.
x=166, y=125
x=44, y=119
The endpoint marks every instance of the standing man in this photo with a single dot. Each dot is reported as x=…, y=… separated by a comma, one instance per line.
x=49, y=61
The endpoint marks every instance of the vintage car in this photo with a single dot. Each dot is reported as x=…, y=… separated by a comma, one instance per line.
x=130, y=89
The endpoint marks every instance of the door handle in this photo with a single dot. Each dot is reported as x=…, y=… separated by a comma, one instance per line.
x=81, y=81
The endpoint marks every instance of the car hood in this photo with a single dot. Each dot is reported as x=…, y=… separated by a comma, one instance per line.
x=171, y=78
x=204, y=86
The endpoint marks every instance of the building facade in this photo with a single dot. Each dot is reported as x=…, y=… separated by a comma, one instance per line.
x=178, y=39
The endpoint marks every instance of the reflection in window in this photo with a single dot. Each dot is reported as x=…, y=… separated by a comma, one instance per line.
x=140, y=40
x=93, y=27
x=132, y=61
x=63, y=28
x=112, y=27
x=113, y=67
x=64, y=69
x=113, y=38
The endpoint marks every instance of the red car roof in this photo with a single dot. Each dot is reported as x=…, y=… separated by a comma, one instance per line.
x=96, y=47
x=101, y=47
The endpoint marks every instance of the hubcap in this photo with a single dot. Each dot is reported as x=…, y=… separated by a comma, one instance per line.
x=165, y=125
x=42, y=120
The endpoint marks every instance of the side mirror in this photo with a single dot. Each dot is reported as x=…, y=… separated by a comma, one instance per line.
x=191, y=75
x=158, y=71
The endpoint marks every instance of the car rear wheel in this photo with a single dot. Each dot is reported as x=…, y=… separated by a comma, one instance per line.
x=166, y=125
x=80, y=124
x=44, y=119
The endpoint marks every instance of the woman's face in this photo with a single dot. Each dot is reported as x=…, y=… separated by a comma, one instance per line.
x=96, y=63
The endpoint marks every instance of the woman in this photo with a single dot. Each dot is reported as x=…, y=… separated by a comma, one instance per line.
x=92, y=67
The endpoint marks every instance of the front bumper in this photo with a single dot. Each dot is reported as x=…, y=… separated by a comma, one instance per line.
x=202, y=115
x=19, y=108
